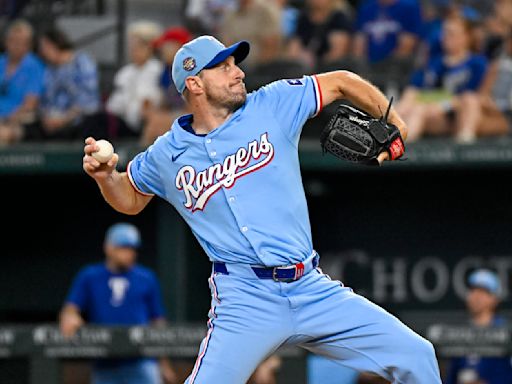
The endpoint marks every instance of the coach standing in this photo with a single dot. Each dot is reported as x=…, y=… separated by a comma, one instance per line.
x=118, y=292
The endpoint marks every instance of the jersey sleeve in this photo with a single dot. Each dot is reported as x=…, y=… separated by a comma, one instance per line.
x=292, y=102
x=79, y=292
x=143, y=172
x=154, y=299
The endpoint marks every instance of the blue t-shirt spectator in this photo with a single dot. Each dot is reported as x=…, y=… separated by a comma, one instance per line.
x=117, y=298
x=131, y=298
x=26, y=80
x=456, y=79
x=73, y=85
x=382, y=25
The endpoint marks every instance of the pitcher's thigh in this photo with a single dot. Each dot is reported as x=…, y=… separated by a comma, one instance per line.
x=365, y=337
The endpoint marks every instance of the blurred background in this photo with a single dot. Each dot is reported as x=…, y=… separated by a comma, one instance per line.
x=408, y=236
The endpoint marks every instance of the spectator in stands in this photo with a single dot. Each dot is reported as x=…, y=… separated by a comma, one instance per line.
x=443, y=96
x=323, y=32
x=12, y=9
x=483, y=7
x=496, y=92
x=70, y=90
x=433, y=14
x=118, y=292
x=204, y=17
x=21, y=82
x=289, y=18
x=136, y=85
x=259, y=22
x=496, y=29
x=387, y=29
x=159, y=118
x=482, y=301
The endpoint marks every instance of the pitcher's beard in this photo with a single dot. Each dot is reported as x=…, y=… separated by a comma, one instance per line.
x=231, y=102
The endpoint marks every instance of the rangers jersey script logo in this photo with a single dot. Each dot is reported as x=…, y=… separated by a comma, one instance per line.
x=198, y=187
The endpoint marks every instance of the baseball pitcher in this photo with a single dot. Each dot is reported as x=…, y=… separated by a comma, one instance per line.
x=231, y=169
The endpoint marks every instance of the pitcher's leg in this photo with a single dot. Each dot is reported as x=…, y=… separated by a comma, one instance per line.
x=247, y=323
x=363, y=336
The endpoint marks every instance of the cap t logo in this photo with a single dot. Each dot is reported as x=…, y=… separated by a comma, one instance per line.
x=189, y=64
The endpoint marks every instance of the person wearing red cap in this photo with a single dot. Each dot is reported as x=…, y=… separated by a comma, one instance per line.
x=159, y=120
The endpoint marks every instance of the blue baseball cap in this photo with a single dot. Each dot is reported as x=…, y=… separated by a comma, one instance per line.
x=123, y=235
x=486, y=279
x=203, y=52
x=471, y=14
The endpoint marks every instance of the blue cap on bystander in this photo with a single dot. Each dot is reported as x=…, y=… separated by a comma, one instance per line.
x=486, y=279
x=123, y=235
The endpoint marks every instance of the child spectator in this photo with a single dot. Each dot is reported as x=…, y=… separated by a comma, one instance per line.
x=443, y=96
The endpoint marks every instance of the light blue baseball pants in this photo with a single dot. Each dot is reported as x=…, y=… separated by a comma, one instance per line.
x=251, y=318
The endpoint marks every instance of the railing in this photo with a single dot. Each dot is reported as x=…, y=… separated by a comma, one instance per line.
x=44, y=158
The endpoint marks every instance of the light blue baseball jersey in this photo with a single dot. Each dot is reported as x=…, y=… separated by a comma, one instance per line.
x=239, y=187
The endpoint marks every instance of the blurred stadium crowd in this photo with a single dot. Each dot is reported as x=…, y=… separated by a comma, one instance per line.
x=447, y=62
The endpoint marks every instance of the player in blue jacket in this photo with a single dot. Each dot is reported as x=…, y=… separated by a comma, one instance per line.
x=118, y=292
x=482, y=301
x=231, y=169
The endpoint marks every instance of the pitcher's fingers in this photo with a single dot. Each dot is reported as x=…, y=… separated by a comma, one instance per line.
x=90, y=148
x=113, y=160
x=382, y=156
x=92, y=161
x=90, y=140
x=89, y=168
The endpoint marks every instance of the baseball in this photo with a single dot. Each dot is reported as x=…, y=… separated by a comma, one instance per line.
x=105, y=152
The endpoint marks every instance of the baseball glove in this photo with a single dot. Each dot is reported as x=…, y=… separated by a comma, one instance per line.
x=354, y=135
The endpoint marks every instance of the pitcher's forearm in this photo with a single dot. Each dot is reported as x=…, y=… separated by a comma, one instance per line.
x=120, y=194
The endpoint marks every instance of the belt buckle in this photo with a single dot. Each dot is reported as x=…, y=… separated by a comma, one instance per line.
x=283, y=279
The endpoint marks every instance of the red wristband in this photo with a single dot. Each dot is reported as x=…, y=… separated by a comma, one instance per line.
x=396, y=149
